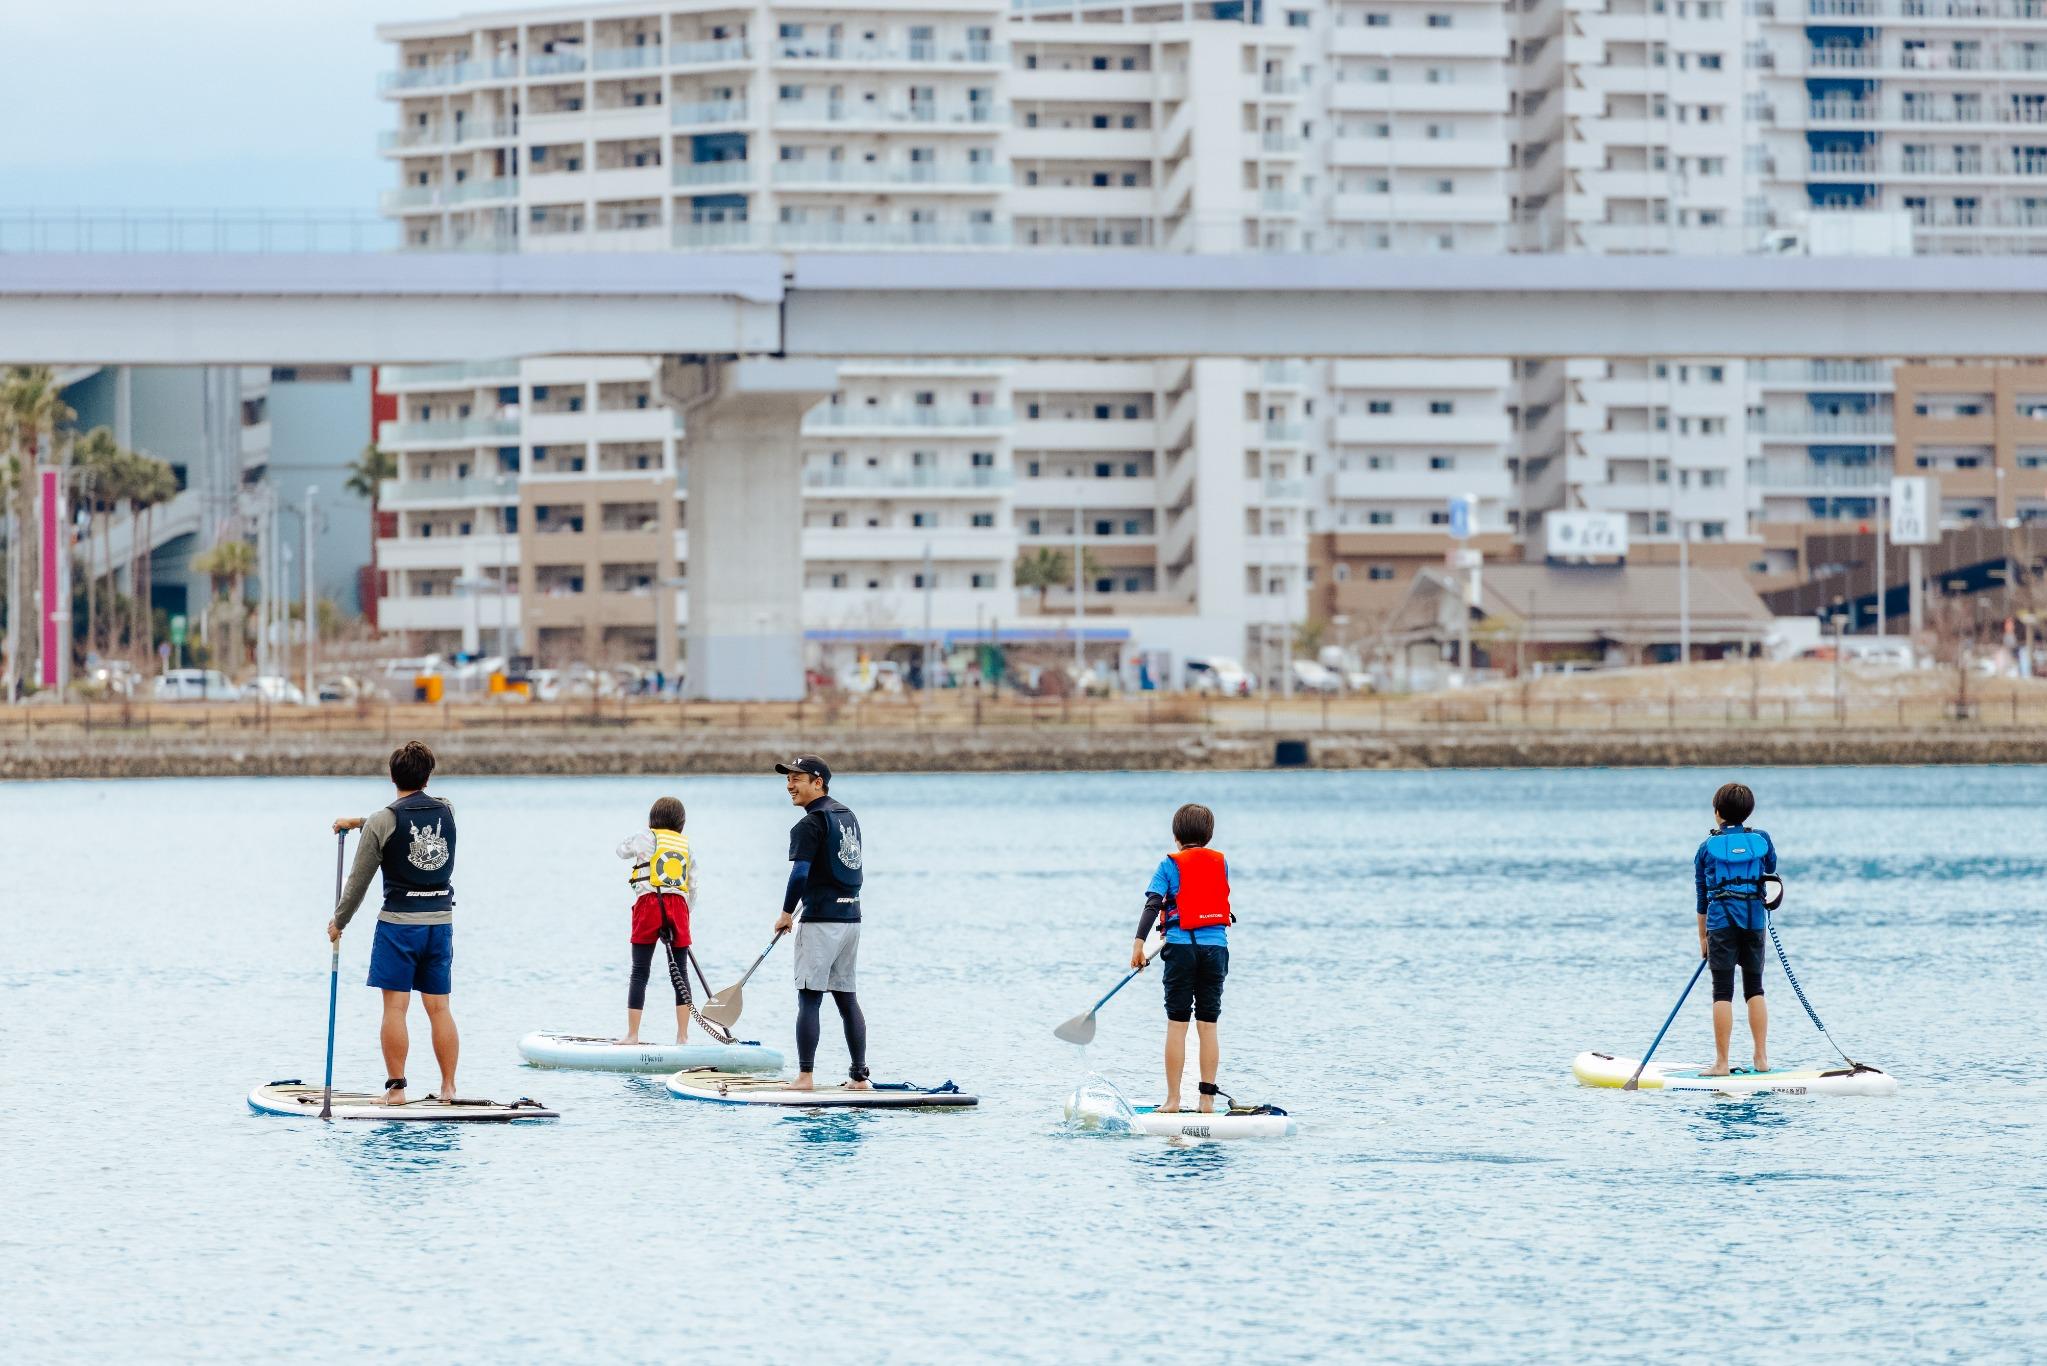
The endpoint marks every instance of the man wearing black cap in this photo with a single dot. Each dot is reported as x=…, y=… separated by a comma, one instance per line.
x=824, y=878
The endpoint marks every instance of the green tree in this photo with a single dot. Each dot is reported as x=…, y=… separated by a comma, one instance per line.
x=146, y=484
x=366, y=479
x=1046, y=568
x=96, y=461
x=228, y=564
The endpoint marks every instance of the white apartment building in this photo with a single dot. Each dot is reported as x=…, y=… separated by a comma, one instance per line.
x=1936, y=109
x=692, y=127
x=1632, y=129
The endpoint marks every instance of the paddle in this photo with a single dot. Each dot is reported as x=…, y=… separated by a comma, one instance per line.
x=1081, y=1028
x=333, y=985
x=723, y=1008
x=1634, y=1082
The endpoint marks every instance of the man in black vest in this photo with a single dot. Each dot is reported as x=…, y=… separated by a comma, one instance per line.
x=824, y=879
x=412, y=842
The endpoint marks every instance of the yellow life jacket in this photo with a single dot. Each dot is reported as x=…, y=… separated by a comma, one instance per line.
x=667, y=869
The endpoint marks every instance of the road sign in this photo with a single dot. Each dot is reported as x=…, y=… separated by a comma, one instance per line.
x=1915, y=510
x=178, y=632
x=1463, y=515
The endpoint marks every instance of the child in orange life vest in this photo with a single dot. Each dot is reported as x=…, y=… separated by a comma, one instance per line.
x=1190, y=896
x=664, y=879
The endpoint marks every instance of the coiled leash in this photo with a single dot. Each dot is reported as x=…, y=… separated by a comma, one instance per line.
x=681, y=982
x=1770, y=922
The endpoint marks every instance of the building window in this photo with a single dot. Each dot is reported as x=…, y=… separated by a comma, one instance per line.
x=1379, y=573
x=1441, y=407
x=1379, y=405
x=1442, y=462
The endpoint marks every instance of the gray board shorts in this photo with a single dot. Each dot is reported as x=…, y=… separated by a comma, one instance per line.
x=825, y=953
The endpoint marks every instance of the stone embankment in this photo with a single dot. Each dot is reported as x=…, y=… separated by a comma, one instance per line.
x=482, y=751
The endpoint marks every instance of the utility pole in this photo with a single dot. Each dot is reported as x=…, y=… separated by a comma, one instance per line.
x=1883, y=575
x=1079, y=610
x=311, y=600
x=505, y=482
x=927, y=616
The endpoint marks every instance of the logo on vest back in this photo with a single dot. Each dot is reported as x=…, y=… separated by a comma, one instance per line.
x=849, y=846
x=429, y=849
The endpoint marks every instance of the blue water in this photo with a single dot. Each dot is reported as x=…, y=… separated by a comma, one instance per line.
x=1418, y=958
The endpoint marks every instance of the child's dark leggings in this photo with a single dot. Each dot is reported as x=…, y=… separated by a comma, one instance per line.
x=643, y=965
x=807, y=1029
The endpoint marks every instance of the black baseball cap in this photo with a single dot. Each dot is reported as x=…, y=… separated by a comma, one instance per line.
x=807, y=763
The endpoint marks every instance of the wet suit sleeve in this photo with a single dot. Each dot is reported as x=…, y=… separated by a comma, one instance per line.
x=1699, y=877
x=806, y=844
x=1770, y=855
x=369, y=857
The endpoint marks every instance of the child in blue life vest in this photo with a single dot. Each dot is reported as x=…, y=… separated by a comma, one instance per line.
x=1729, y=870
x=664, y=881
x=1189, y=896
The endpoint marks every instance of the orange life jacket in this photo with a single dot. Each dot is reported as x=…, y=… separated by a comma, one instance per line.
x=1204, y=899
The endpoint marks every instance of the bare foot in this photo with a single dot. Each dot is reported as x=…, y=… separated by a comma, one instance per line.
x=802, y=1083
x=859, y=1086
x=394, y=1097
x=1762, y=1065
x=629, y=1041
x=1171, y=1107
x=447, y=1096
x=1719, y=1070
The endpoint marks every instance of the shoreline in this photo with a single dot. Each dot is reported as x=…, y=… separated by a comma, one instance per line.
x=492, y=752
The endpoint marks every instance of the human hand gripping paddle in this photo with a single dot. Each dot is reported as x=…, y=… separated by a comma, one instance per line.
x=1081, y=1028
x=723, y=1009
x=333, y=985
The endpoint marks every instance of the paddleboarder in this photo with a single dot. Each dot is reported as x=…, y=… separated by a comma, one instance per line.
x=825, y=859
x=1728, y=872
x=663, y=876
x=1189, y=895
x=412, y=843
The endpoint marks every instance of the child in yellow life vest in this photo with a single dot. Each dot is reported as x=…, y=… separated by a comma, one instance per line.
x=1189, y=896
x=664, y=880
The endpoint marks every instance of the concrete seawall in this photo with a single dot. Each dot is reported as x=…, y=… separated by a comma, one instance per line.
x=485, y=752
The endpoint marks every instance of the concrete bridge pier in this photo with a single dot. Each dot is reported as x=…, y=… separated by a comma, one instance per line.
x=742, y=427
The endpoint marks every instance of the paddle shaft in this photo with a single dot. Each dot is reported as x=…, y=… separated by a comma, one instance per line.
x=1126, y=979
x=1634, y=1082
x=333, y=984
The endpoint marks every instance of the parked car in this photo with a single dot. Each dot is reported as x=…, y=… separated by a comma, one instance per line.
x=194, y=685
x=1312, y=677
x=344, y=689
x=1220, y=676
x=271, y=688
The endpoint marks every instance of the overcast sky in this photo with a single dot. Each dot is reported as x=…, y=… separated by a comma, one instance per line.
x=197, y=103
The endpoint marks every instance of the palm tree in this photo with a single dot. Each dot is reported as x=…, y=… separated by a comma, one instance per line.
x=95, y=461
x=229, y=564
x=366, y=478
x=145, y=482
x=32, y=407
x=1043, y=569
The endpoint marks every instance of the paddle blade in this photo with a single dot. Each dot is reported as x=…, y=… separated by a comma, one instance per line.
x=1632, y=1083
x=723, y=1009
x=1079, y=1029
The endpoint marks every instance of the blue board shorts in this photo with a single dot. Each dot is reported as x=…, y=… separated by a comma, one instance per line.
x=413, y=958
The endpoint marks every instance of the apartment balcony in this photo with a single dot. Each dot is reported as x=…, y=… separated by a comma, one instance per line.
x=1281, y=434
x=482, y=374
x=1123, y=210
x=1804, y=426
x=1802, y=374
x=567, y=62
x=1285, y=202
x=1081, y=144
x=458, y=432
x=1484, y=428
x=921, y=116
x=460, y=553
x=799, y=53
x=1432, y=487
x=1280, y=490
x=1270, y=86
x=1414, y=97
x=1478, y=42
x=866, y=175
x=906, y=544
x=1283, y=374
x=1275, y=144
x=710, y=236
x=1411, y=210
x=859, y=482
x=696, y=173
x=830, y=417
x=708, y=113
x=408, y=493
x=1934, y=10
x=1283, y=549
x=800, y=235
x=648, y=424
x=1820, y=477
x=1048, y=609
x=1059, y=497
x=1085, y=434
x=1093, y=87
x=452, y=611
x=444, y=75
x=442, y=134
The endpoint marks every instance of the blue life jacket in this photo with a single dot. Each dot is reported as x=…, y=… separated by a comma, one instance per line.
x=1734, y=875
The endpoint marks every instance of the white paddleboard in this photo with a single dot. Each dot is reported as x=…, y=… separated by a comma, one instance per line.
x=738, y=1088
x=1096, y=1105
x=299, y=1101
x=544, y=1048
x=1604, y=1069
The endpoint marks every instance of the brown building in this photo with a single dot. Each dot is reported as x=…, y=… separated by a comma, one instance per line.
x=1981, y=430
x=594, y=557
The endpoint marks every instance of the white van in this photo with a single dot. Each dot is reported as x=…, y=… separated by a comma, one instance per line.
x=194, y=685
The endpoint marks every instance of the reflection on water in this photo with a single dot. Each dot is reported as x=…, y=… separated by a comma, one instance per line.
x=398, y=1149
x=837, y=1132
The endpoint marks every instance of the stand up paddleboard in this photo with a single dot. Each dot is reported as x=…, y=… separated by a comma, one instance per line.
x=737, y=1088
x=586, y=1053
x=1097, y=1106
x=299, y=1101
x=1604, y=1069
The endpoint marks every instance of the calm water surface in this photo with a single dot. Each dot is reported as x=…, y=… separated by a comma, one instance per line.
x=1419, y=957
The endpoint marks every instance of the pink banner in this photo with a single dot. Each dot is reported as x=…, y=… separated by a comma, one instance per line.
x=53, y=540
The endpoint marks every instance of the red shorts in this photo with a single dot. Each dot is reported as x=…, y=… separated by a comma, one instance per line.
x=654, y=908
